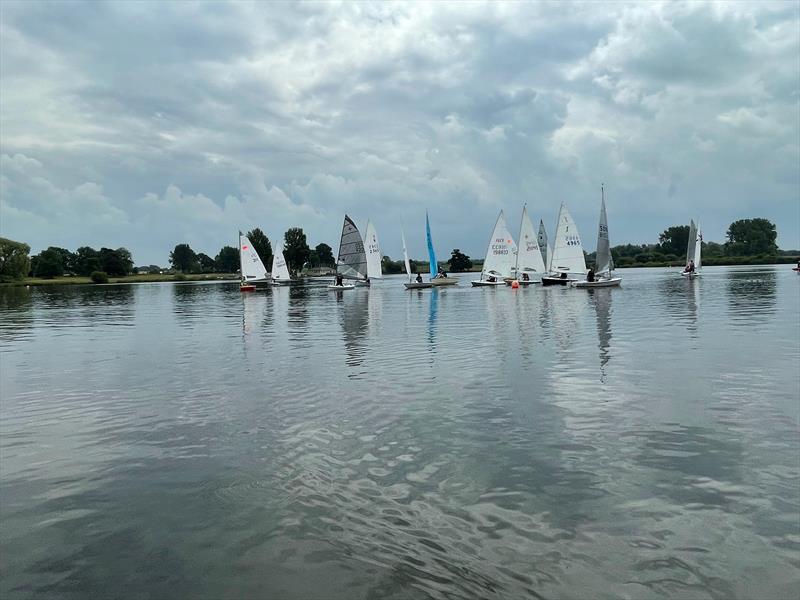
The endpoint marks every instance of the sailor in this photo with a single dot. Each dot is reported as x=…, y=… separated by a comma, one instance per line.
x=590, y=275
x=419, y=278
x=338, y=279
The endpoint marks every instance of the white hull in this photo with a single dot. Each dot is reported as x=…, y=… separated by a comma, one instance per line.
x=599, y=283
x=484, y=283
x=690, y=275
x=341, y=287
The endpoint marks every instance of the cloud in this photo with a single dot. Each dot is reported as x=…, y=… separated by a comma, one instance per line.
x=146, y=125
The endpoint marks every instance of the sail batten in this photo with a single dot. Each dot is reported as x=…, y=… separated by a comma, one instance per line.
x=352, y=260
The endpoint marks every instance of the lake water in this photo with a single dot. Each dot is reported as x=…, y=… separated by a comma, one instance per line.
x=189, y=441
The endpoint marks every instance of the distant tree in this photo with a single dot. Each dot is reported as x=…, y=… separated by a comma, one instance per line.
x=295, y=249
x=14, y=260
x=227, y=260
x=391, y=267
x=87, y=260
x=748, y=237
x=115, y=262
x=674, y=240
x=313, y=258
x=262, y=245
x=713, y=250
x=183, y=258
x=50, y=263
x=98, y=277
x=206, y=263
x=325, y=254
x=459, y=262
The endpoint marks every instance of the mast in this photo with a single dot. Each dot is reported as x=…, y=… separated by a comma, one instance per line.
x=519, y=242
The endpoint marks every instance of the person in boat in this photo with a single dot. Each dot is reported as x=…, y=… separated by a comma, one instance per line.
x=339, y=281
x=563, y=275
x=441, y=274
x=590, y=275
x=525, y=277
x=492, y=279
x=690, y=267
x=419, y=278
x=366, y=281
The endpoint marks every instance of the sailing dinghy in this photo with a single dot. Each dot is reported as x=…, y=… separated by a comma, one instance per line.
x=436, y=278
x=251, y=268
x=604, y=262
x=567, y=254
x=373, y=252
x=280, y=271
x=352, y=261
x=529, y=257
x=500, y=256
x=693, y=248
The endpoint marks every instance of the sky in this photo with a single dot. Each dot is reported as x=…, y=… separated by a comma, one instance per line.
x=149, y=124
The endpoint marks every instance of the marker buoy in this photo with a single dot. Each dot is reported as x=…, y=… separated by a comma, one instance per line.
x=514, y=284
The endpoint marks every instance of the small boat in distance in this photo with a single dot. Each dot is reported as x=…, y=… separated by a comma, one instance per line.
x=500, y=256
x=410, y=285
x=693, y=251
x=251, y=268
x=604, y=262
x=437, y=278
x=280, y=271
x=529, y=257
x=567, y=254
x=352, y=261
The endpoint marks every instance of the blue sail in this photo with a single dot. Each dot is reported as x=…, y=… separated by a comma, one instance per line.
x=431, y=253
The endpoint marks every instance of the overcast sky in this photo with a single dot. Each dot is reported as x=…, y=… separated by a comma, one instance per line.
x=145, y=124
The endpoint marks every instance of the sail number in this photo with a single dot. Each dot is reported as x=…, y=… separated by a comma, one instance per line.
x=573, y=240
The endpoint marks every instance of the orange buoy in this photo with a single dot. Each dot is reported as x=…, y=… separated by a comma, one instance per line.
x=514, y=284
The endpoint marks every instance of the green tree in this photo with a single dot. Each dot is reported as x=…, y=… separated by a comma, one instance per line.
x=748, y=237
x=227, y=260
x=459, y=262
x=674, y=240
x=87, y=260
x=262, y=245
x=313, y=258
x=391, y=267
x=295, y=249
x=325, y=254
x=117, y=262
x=183, y=258
x=207, y=264
x=14, y=260
x=50, y=263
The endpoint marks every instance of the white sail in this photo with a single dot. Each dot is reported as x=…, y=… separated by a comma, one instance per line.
x=501, y=252
x=603, y=257
x=373, y=251
x=405, y=255
x=690, y=246
x=250, y=263
x=280, y=272
x=567, y=249
x=529, y=257
x=698, y=246
x=545, y=250
x=352, y=260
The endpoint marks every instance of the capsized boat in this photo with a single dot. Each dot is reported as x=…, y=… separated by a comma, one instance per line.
x=352, y=261
x=437, y=278
x=280, y=271
x=693, y=251
x=251, y=268
x=604, y=262
x=500, y=256
x=567, y=254
x=529, y=261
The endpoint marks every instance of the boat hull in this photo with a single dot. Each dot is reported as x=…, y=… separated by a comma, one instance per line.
x=444, y=281
x=484, y=283
x=247, y=288
x=280, y=282
x=557, y=281
x=417, y=286
x=523, y=282
x=341, y=287
x=691, y=275
x=600, y=283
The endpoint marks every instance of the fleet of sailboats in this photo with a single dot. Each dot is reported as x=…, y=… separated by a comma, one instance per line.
x=532, y=261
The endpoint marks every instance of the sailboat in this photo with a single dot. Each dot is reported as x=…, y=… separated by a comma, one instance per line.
x=373, y=252
x=500, y=256
x=436, y=279
x=567, y=254
x=693, y=248
x=544, y=248
x=250, y=265
x=529, y=256
x=352, y=260
x=604, y=262
x=280, y=272
x=405, y=259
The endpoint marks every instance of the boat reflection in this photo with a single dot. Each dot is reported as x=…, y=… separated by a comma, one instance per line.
x=601, y=299
x=354, y=320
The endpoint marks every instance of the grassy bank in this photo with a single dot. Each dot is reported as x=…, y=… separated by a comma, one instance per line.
x=146, y=278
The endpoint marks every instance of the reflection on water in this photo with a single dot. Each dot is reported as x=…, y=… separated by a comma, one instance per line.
x=457, y=443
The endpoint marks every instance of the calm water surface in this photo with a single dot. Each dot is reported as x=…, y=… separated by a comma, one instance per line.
x=185, y=440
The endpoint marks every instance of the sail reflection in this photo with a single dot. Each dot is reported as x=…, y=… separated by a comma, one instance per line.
x=433, y=308
x=354, y=319
x=680, y=297
x=601, y=299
